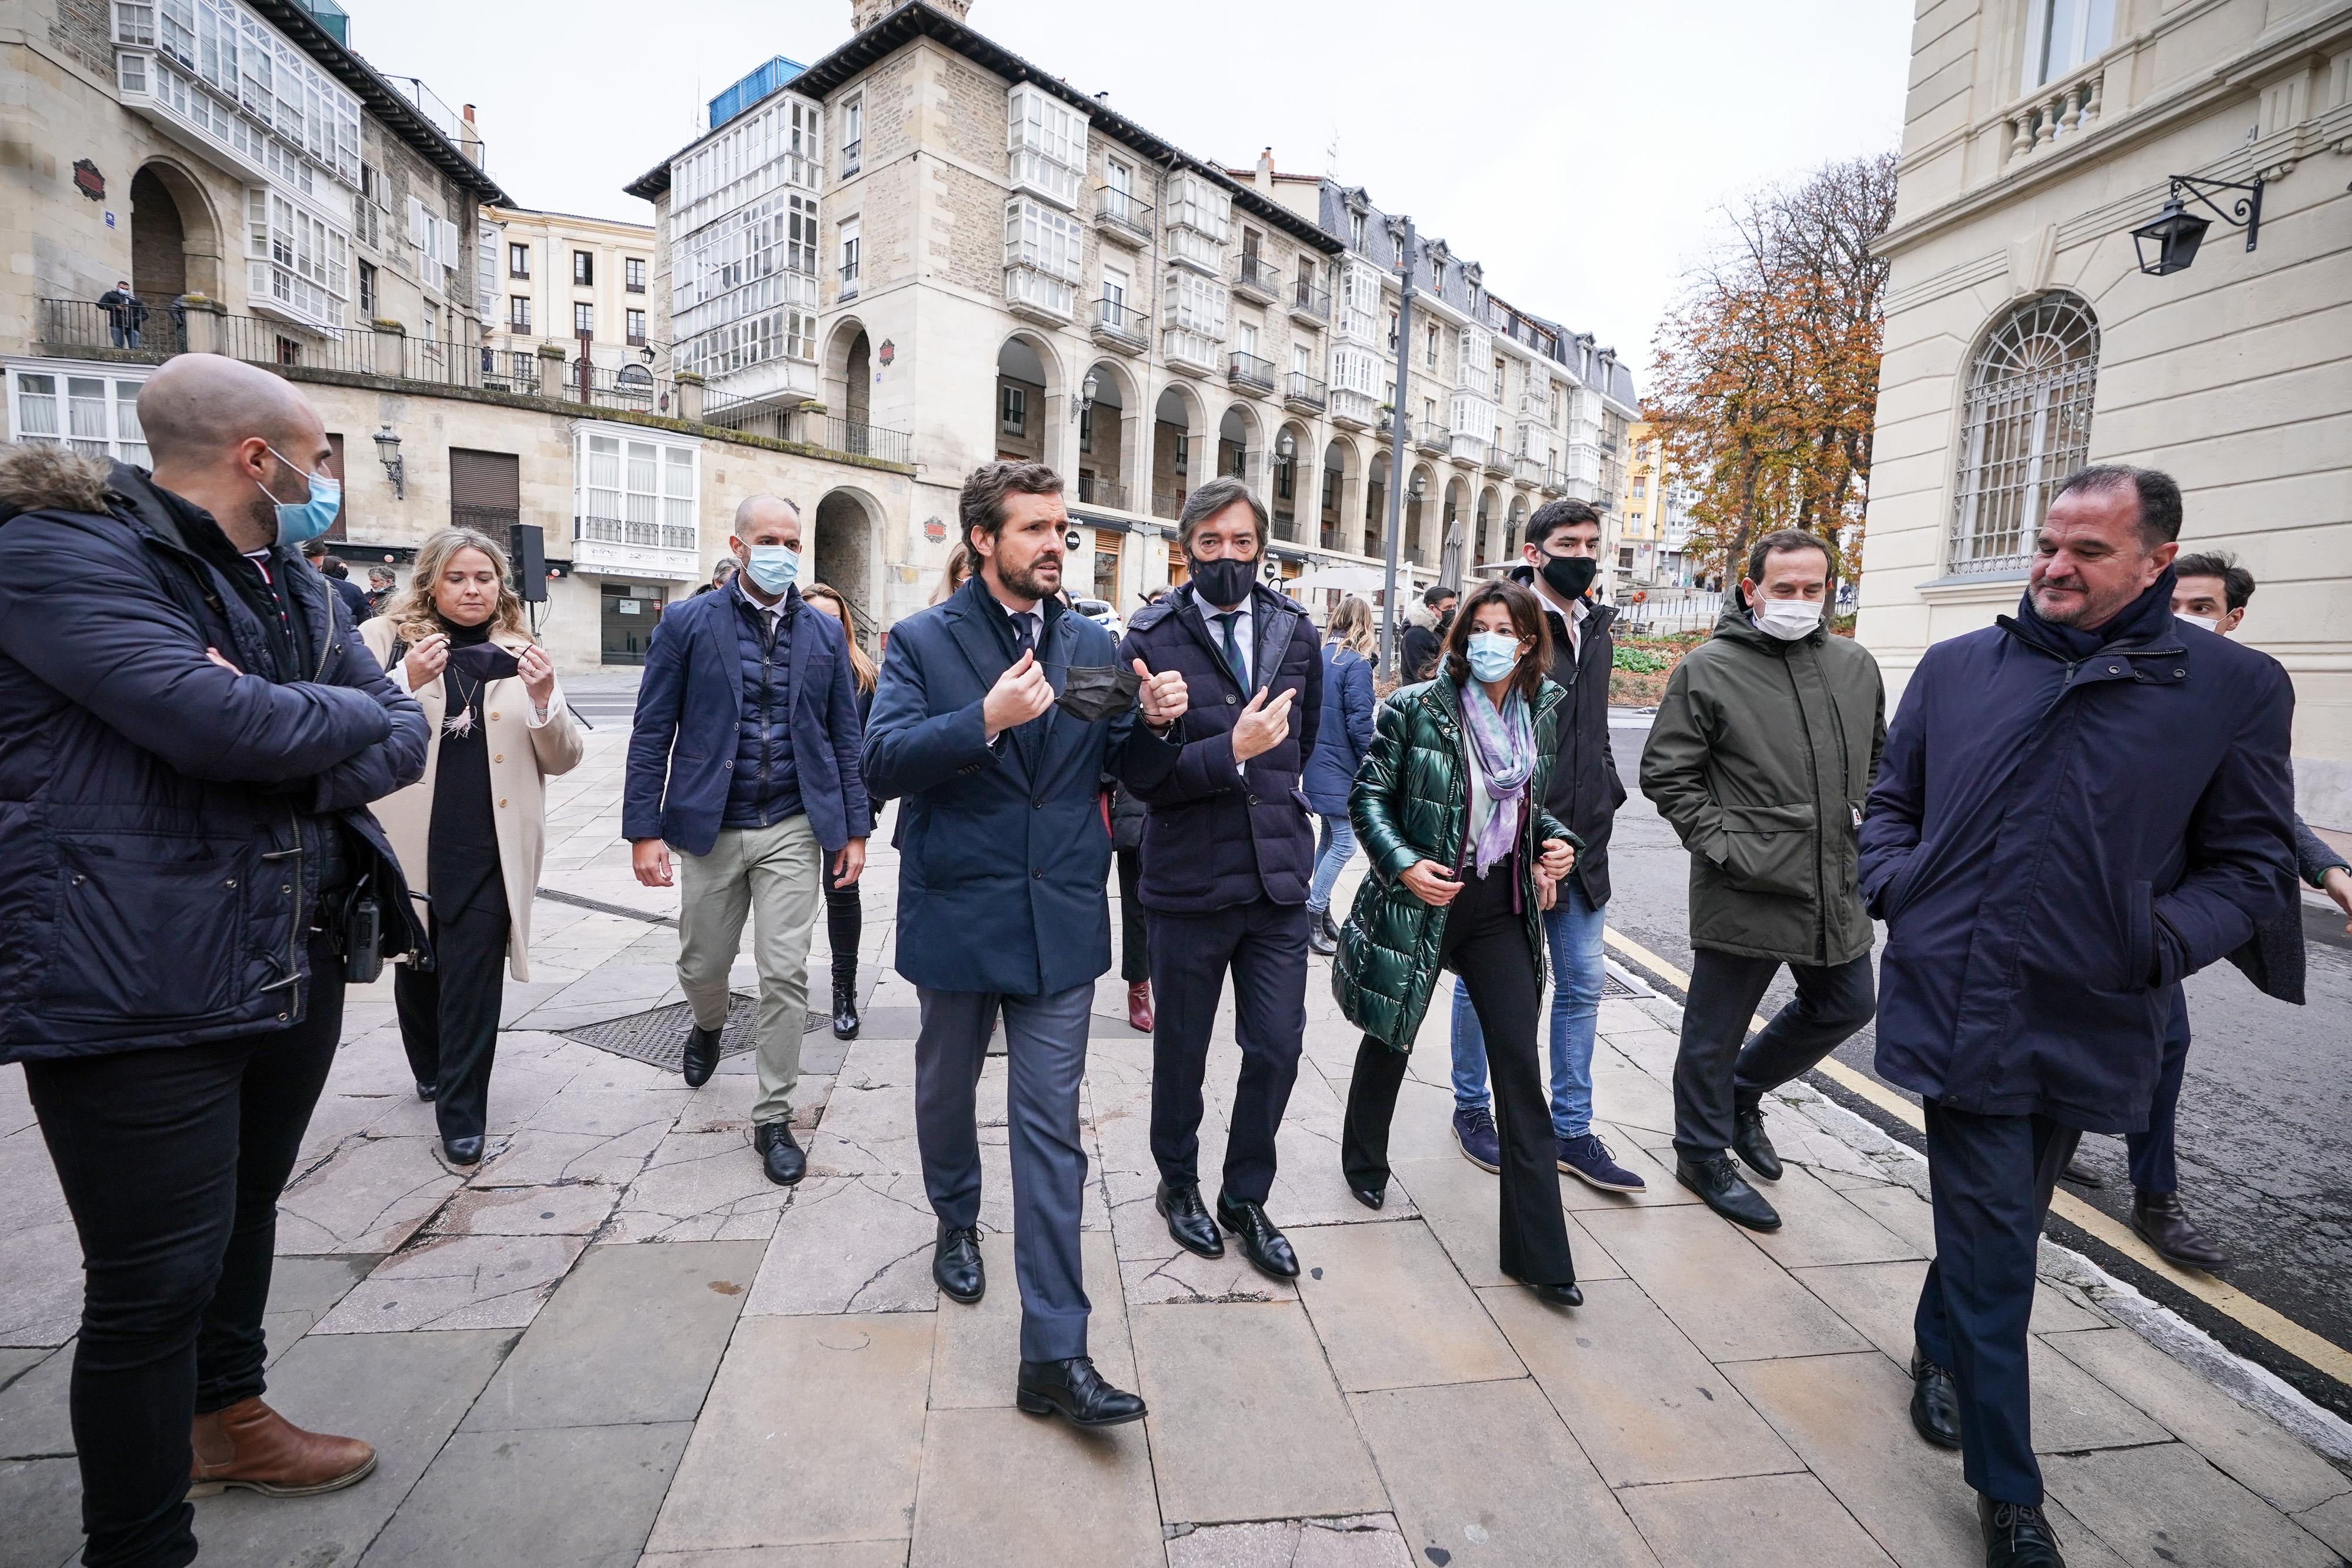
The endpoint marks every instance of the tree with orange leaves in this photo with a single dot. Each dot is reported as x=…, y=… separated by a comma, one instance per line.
x=1765, y=385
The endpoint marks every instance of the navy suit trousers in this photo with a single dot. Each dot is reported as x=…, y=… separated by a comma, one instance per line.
x=2152, y=1166
x=1265, y=944
x=1991, y=1178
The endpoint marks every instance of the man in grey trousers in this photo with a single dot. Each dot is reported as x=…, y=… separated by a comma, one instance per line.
x=998, y=713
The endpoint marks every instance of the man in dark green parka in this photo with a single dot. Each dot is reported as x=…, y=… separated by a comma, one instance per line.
x=1762, y=757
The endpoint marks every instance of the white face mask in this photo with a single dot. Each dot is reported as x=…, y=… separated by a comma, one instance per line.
x=2206, y=621
x=1787, y=619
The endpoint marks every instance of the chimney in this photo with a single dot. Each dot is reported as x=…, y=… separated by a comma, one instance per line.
x=863, y=14
x=470, y=138
x=1265, y=169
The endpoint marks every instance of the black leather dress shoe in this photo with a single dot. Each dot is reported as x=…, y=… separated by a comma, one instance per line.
x=1724, y=1190
x=2081, y=1174
x=1560, y=1295
x=845, y=1011
x=1074, y=1390
x=2016, y=1535
x=956, y=1265
x=463, y=1151
x=1369, y=1197
x=1749, y=1142
x=1935, y=1403
x=426, y=1089
x=701, y=1056
x=1268, y=1249
x=1188, y=1219
x=2164, y=1225
x=783, y=1158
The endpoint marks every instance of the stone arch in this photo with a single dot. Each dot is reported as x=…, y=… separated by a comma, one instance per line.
x=846, y=553
x=1241, y=446
x=1029, y=387
x=1289, y=483
x=162, y=187
x=1106, y=435
x=848, y=370
x=1418, y=541
x=1179, y=457
x=1335, y=487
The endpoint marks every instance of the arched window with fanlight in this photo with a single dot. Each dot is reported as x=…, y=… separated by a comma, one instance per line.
x=2026, y=426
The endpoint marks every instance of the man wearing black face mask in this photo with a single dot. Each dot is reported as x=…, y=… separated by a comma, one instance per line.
x=1227, y=852
x=1563, y=552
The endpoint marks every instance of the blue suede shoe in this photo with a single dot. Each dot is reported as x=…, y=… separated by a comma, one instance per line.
x=1589, y=1160
x=1481, y=1145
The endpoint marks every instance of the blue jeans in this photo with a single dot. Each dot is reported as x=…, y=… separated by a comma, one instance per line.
x=1572, y=927
x=1337, y=842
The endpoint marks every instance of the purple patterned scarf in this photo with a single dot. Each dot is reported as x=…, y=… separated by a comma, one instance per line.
x=1503, y=748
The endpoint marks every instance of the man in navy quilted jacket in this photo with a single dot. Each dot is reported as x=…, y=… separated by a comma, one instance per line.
x=1228, y=848
x=2076, y=808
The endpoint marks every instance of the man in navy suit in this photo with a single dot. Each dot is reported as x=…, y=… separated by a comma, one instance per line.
x=994, y=720
x=745, y=758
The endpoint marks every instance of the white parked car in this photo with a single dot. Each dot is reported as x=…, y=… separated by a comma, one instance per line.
x=1100, y=612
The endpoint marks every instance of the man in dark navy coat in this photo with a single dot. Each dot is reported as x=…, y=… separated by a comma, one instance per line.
x=190, y=733
x=1227, y=853
x=745, y=756
x=2076, y=808
x=993, y=722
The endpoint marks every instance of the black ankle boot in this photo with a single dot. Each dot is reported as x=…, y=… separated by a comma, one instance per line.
x=845, y=1009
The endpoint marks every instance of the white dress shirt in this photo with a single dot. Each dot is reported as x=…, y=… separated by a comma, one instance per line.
x=1244, y=634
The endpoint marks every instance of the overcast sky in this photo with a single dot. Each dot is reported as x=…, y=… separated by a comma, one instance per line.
x=1577, y=149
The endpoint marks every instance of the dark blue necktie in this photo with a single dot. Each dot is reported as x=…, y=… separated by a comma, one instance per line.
x=1232, y=649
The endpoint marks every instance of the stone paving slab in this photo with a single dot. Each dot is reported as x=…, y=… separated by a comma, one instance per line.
x=683, y=1365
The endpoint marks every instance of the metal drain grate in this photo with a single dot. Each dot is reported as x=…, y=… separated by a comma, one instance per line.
x=658, y=1037
x=1611, y=986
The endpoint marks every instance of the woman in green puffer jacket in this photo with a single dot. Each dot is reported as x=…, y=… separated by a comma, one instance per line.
x=1449, y=807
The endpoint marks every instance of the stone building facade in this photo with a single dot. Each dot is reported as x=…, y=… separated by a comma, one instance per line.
x=272, y=196
x=557, y=277
x=969, y=259
x=2024, y=340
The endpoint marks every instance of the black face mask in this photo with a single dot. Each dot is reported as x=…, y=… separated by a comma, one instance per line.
x=1569, y=575
x=1224, y=581
x=485, y=663
x=1091, y=692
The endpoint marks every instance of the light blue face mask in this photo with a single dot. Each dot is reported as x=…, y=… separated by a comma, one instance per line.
x=1493, y=655
x=303, y=521
x=773, y=568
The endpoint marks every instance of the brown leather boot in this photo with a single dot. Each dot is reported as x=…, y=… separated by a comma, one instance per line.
x=1138, y=1006
x=251, y=1445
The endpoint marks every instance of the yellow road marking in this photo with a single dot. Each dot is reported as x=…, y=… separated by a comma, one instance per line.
x=2280, y=1329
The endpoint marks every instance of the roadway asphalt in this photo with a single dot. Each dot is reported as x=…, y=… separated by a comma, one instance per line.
x=2265, y=1123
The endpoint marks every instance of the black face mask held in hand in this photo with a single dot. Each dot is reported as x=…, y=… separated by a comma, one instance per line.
x=1094, y=691
x=484, y=663
x=1569, y=575
x=1223, y=583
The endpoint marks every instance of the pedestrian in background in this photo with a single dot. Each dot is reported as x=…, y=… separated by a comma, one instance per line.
x=2211, y=592
x=744, y=755
x=126, y=317
x=1761, y=758
x=2078, y=807
x=381, y=583
x=1342, y=737
x=471, y=832
x=1424, y=632
x=192, y=736
x=954, y=574
x=1127, y=818
x=1561, y=560
x=845, y=908
x=1464, y=859
x=1227, y=854
x=339, y=579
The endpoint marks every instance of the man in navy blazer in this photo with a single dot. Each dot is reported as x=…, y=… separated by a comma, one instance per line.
x=745, y=758
x=994, y=720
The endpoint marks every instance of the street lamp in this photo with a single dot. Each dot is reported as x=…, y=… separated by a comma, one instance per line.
x=1086, y=390
x=387, y=451
x=2168, y=242
x=1286, y=446
x=1420, y=484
